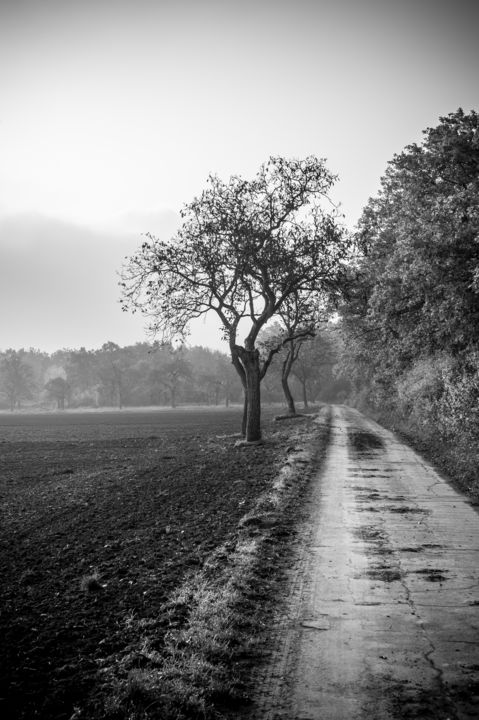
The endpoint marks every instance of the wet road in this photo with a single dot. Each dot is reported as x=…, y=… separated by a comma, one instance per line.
x=384, y=612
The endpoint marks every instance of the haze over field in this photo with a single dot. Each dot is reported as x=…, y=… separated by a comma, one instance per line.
x=114, y=113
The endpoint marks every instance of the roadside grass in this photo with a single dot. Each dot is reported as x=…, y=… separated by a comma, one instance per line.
x=196, y=658
x=458, y=461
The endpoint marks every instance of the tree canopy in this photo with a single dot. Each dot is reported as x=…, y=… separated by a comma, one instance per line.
x=412, y=324
x=419, y=239
x=245, y=248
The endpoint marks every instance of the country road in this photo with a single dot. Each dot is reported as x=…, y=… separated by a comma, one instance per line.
x=382, y=620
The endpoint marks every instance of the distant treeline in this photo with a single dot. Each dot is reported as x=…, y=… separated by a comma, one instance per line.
x=145, y=375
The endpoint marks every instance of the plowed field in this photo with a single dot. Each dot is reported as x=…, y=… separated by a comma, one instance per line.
x=102, y=515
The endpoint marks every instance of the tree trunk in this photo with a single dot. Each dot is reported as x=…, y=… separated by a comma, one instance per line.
x=286, y=369
x=247, y=365
x=253, y=396
x=244, y=419
x=288, y=396
x=305, y=393
x=251, y=426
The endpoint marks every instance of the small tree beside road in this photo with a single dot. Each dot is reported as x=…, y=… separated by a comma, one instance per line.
x=300, y=316
x=314, y=363
x=245, y=248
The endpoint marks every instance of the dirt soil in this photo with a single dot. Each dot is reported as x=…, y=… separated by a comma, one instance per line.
x=101, y=517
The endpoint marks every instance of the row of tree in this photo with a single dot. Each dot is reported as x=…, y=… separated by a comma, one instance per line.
x=412, y=321
x=152, y=375
x=114, y=376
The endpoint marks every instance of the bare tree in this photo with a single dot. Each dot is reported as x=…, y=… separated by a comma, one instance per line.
x=244, y=248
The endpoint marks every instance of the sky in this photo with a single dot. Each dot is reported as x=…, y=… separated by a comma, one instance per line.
x=113, y=113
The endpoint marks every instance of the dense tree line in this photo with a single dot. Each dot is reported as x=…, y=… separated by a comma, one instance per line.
x=113, y=376
x=149, y=375
x=411, y=326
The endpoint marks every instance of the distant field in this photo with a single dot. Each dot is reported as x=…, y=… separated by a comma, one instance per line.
x=63, y=425
x=102, y=515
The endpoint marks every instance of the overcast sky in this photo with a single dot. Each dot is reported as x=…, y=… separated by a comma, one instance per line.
x=113, y=113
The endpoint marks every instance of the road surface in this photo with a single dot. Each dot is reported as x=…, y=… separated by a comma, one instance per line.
x=383, y=618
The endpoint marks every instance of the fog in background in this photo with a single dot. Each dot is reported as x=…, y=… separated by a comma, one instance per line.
x=112, y=115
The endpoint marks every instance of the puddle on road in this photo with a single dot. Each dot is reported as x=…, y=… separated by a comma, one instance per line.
x=401, y=510
x=374, y=475
x=375, y=538
x=411, y=549
x=364, y=488
x=363, y=441
x=369, y=533
x=419, y=548
x=378, y=549
x=385, y=574
x=368, y=493
x=432, y=574
x=369, y=472
x=383, y=550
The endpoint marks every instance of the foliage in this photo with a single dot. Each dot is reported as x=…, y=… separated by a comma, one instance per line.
x=312, y=375
x=16, y=378
x=58, y=389
x=314, y=366
x=172, y=373
x=81, y=376
x=112, y=368
x=419, y=240
x=411, y=324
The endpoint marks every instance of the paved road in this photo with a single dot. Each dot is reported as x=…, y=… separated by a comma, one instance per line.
x=384, y=614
